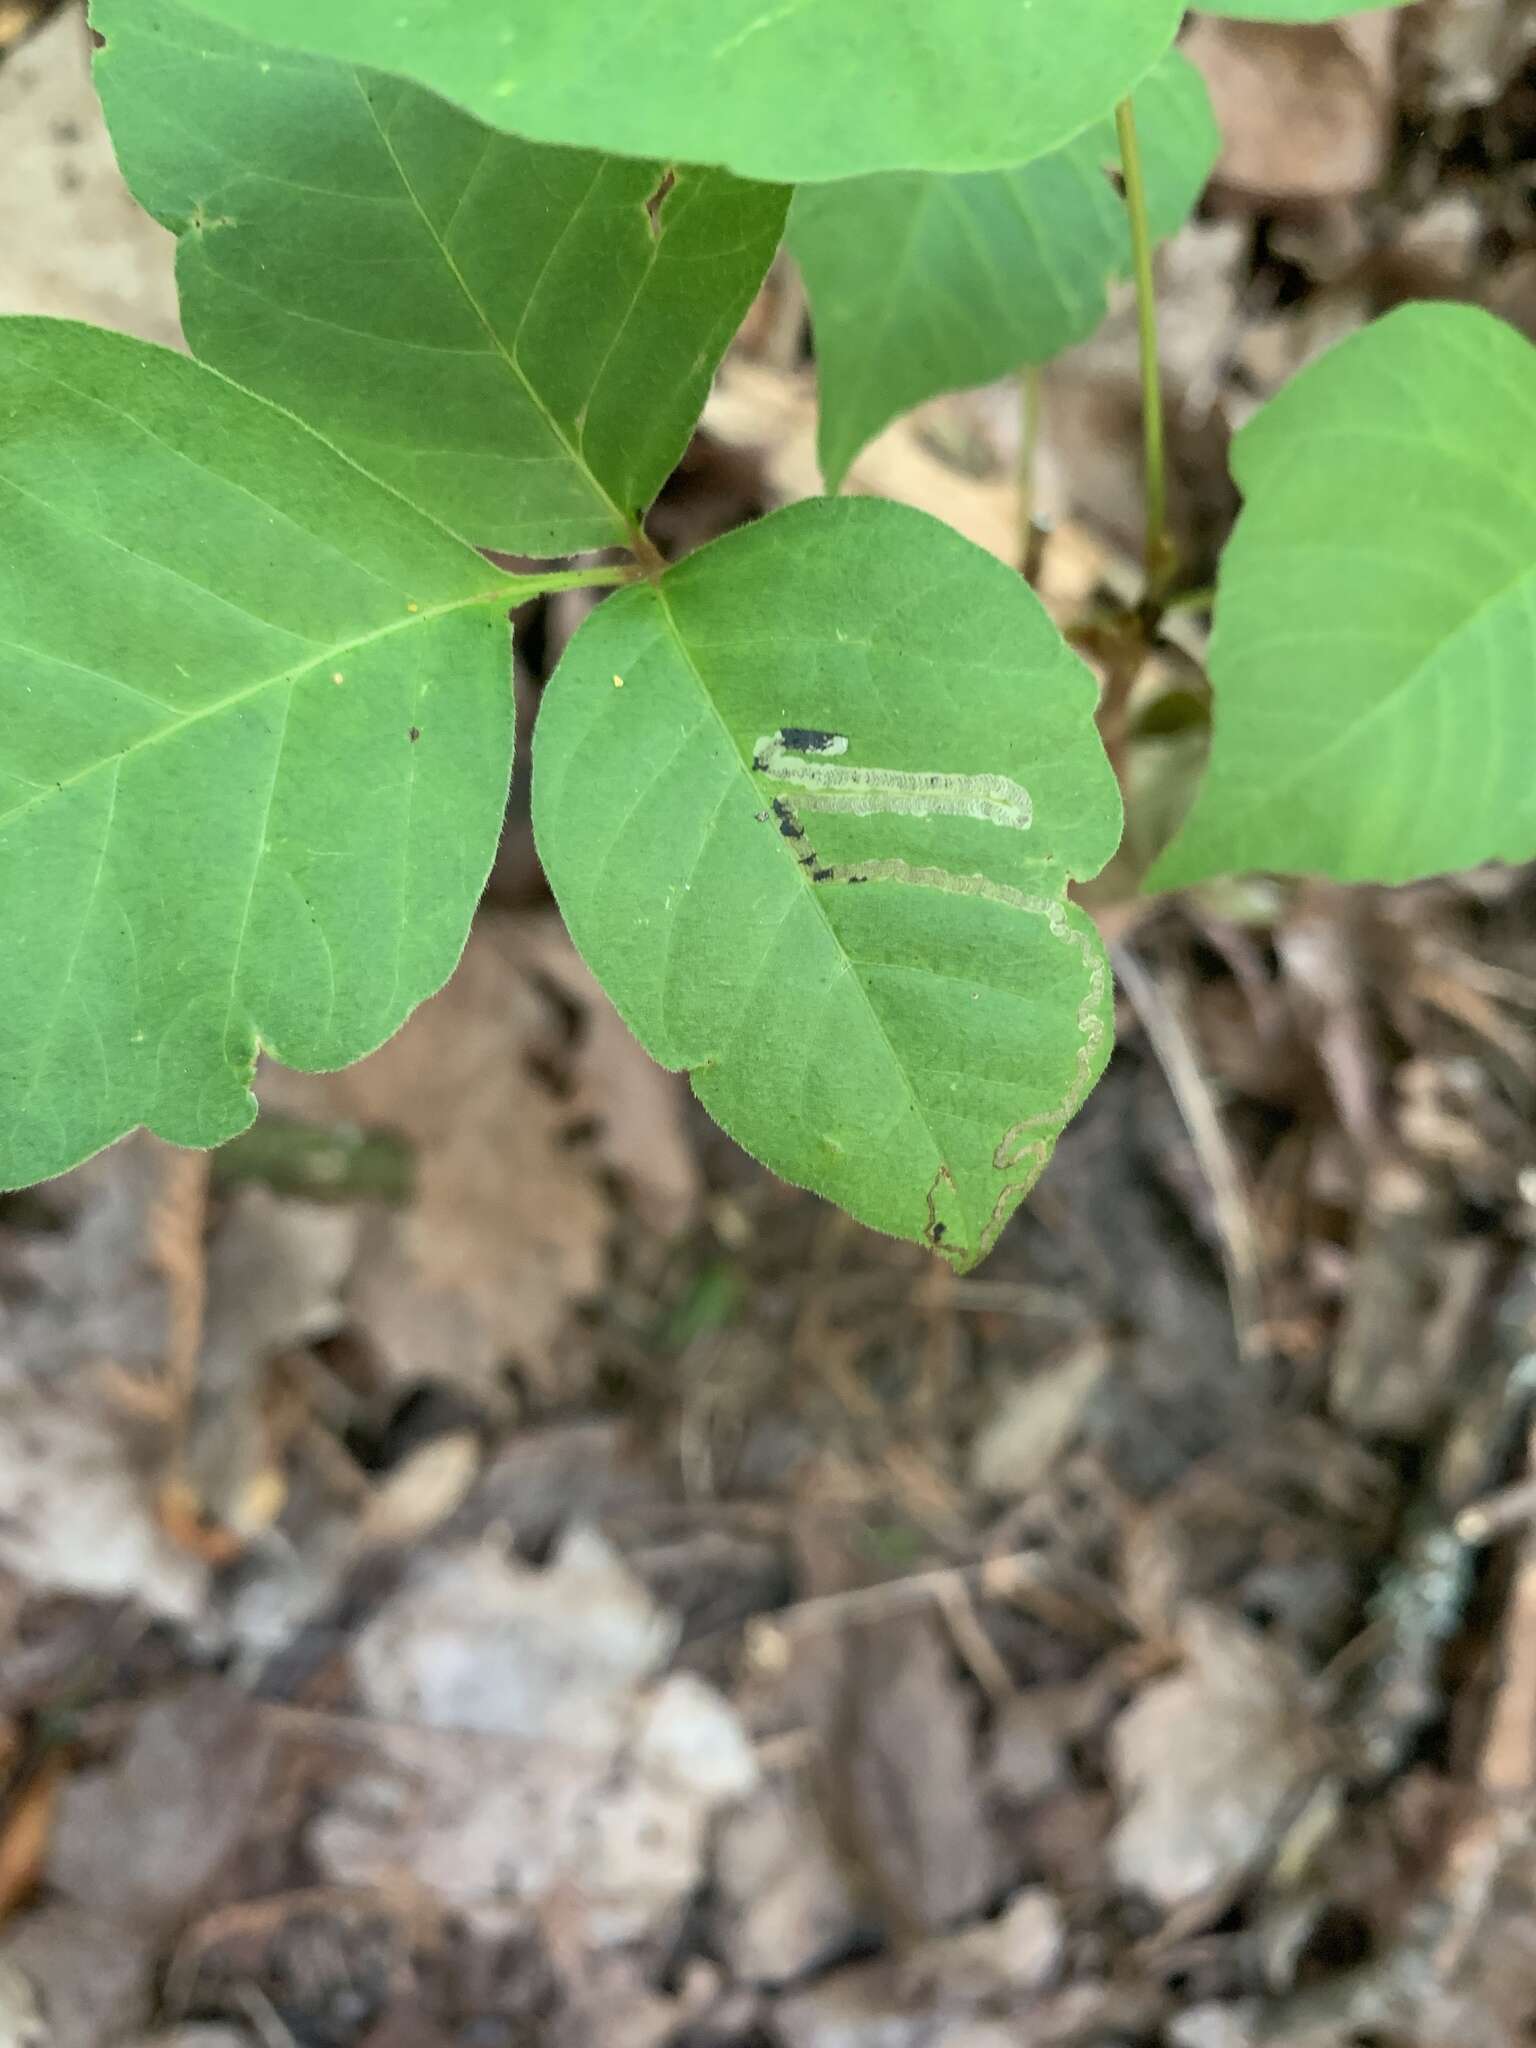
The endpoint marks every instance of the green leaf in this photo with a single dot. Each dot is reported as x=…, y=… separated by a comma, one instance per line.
x=498, y=329
x=920, y=284
x=1374, y=656
x=1296, y=10
x=810, y=807
x=778, y=89
x=257, y=726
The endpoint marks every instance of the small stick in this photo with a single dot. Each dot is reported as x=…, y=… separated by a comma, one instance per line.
x=1169, y=1037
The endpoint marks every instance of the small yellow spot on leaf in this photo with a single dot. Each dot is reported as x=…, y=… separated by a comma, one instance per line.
x=338, y=677
x=413, y=607
x=618, y=682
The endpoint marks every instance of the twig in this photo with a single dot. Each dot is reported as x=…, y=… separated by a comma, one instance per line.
x=1506, y=1766
x=1168, y=1034
x=994, y=1578
x=972, y=1641
x=176, y=1246
x=1498, y=1513
x=1031, y=395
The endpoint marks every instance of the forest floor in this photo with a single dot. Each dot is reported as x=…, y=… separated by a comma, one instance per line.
x=482, y=1563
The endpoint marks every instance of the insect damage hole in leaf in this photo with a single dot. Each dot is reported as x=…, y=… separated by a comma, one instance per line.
x=658, y=199
x=894, y=793
x=867, y=792
x=871, y=972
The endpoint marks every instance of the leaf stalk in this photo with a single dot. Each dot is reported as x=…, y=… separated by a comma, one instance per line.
x=543, y=581
x=1160, y=558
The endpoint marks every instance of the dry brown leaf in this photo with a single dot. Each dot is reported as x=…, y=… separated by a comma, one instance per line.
x=780, y=1902
x=75, y=244
x=87, y=1978
x=1036, y=1419
x=511, y=1218
x=526, y=1752
x=424, y=1489
x=900, y=1791
x=141, y=1839
x=1305, y=112
x=773, y=412
x=1208, y=1762
x=26, y=1824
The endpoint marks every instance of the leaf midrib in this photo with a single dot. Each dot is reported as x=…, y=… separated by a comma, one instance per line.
x=941, y=1151
x=507, y=355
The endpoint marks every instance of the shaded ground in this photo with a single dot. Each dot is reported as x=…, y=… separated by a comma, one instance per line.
x=481, y=1563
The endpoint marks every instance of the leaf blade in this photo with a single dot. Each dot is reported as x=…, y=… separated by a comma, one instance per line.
x=500, y=329
x=994, y=270
x=800, y=91
x=878, y=988
x=1382, y=579
x=207, y=840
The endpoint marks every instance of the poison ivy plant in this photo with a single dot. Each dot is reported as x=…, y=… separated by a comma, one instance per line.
x=920, y=283
x=810, y=805
x=1374, y=655
x=519, y=338
x=256, y=736
x=774, y=89
x=812, y=800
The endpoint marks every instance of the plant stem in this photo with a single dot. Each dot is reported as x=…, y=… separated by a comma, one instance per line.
x=1160, y=560
x=645, y=551
x=543, y=581
x=1029, y=450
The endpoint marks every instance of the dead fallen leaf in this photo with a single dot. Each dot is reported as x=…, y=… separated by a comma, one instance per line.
x=477, y=1641
x=1207, y=1762
x=637, y=1110
x=1304, y=112
x=900, y=1791
x=525, y=1750
x=780, y=1903
x=275, y=1271
x=422, y=1491
x=1035, y=1420
x=23, y=2023
x=1472, y=48
x=76, y=244
x=88, y=1291
x=79, y=1515
x=511, y=1217
x=141, y=1840
x=26, y=1824
x=88, y=1978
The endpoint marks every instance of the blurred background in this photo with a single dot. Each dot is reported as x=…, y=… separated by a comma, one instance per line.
x=483, y=1563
